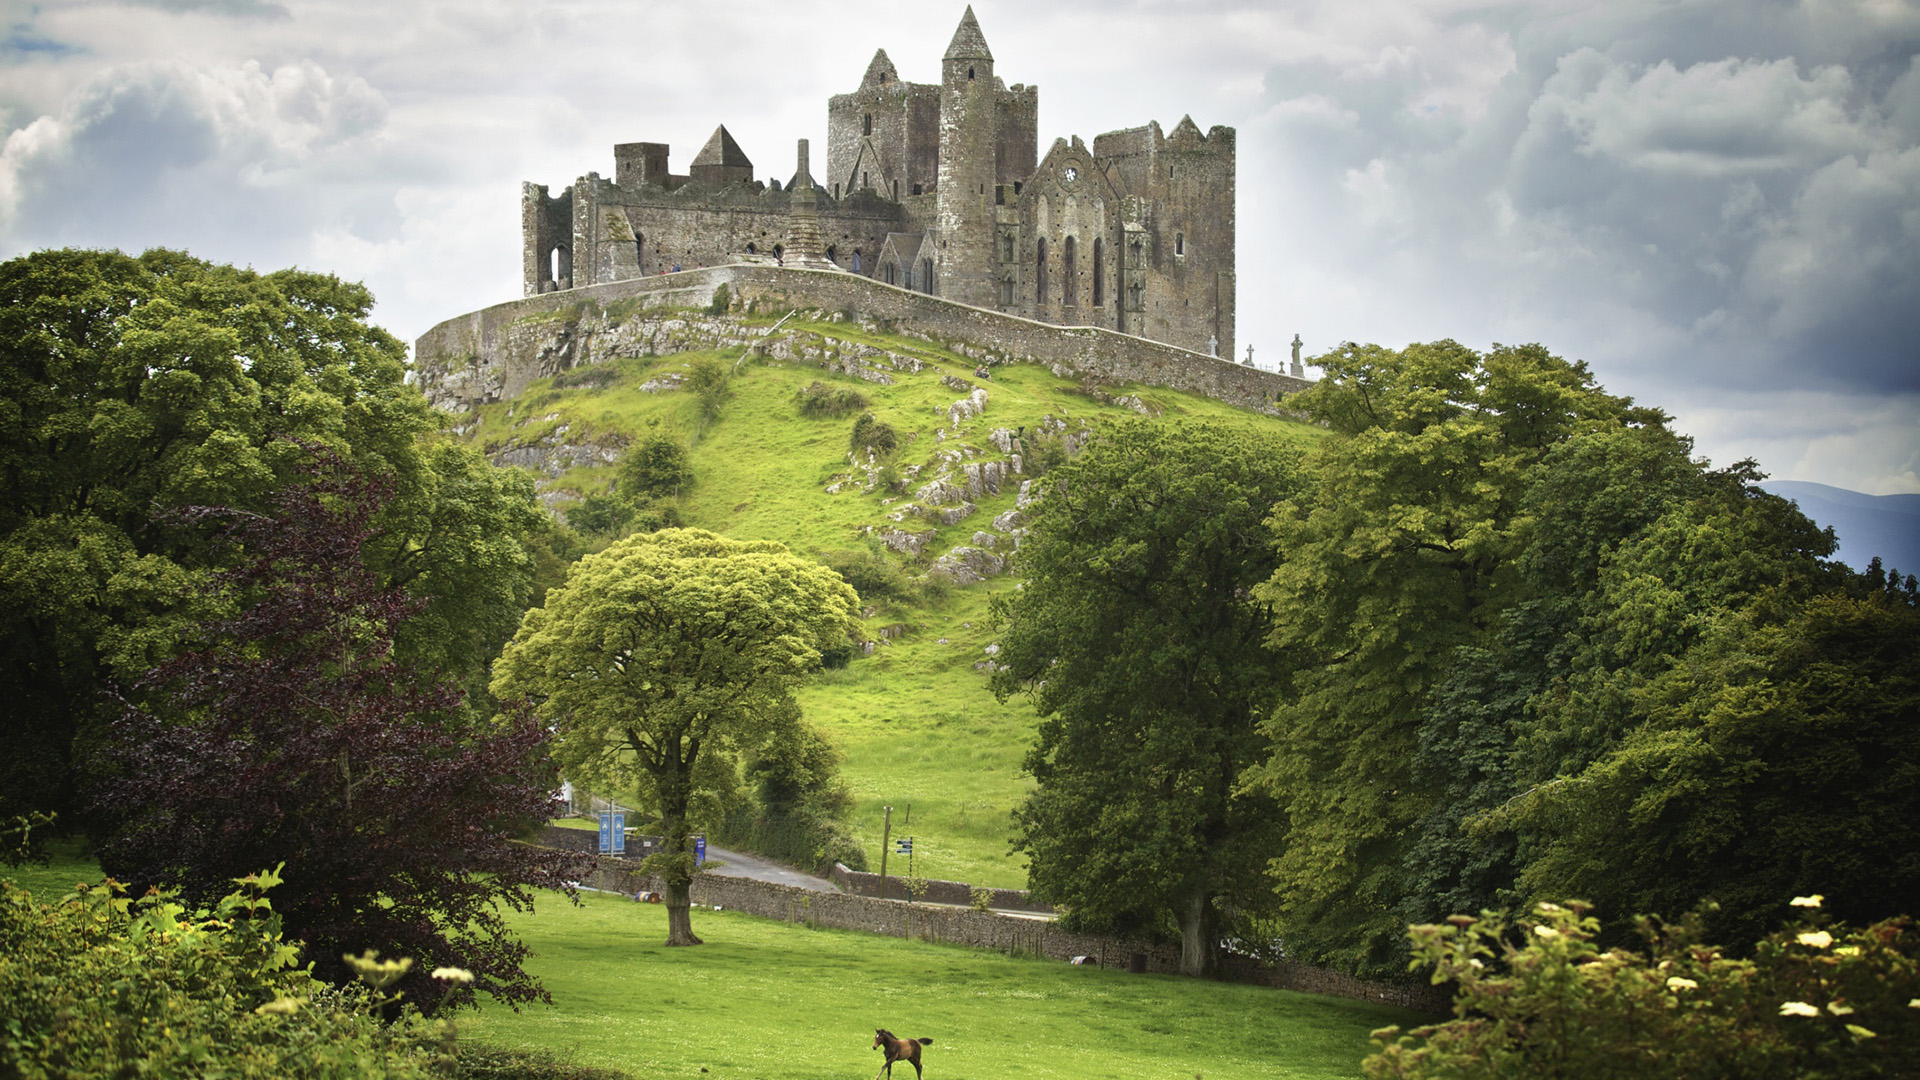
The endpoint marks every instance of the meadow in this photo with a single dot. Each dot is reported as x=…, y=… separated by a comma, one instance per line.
x=916, y=722
x=764, y=1000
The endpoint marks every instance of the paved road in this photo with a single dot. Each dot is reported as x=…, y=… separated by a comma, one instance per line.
x=741, y=864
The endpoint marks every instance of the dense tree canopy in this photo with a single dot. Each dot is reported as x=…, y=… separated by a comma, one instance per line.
x=132, y=385
x=1545, y=652
x=1137, y=636
x=664, y=657
x=288, y=732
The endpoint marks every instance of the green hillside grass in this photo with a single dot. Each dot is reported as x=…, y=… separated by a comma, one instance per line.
x=915, y=720
x=765, y=1000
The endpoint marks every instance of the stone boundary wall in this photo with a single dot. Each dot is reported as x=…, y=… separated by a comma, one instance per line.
x=494, y=353
x=863, y=883
x=1010, y=934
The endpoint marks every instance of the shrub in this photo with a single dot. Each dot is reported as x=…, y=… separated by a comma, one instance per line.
x=96, y=985
x=600, y=514
x=870, y=574
x=1813, y=1001
x=721, y=299
x=656, y=467
x=585, y=378
x=817, y=400
x=707, y=378
x=872, y=435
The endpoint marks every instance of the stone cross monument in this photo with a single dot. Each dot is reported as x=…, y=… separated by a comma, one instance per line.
x=1297, y=371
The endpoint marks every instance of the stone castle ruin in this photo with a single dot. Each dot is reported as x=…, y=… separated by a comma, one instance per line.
x=935, y=189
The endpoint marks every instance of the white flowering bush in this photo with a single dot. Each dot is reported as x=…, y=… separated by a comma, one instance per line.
x=1542, y=999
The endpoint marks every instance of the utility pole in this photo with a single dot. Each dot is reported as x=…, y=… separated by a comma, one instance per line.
x=886, y=835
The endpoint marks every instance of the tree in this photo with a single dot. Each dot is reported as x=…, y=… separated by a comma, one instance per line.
x=665, y=656
x=1137, y=636
x=290, y=732
x=1405, y=547
x=134, y=385
x=655, y=468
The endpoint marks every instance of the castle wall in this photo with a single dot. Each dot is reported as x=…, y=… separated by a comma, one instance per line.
x=496, y=352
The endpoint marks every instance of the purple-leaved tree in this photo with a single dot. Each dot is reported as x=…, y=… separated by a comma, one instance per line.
x=288, y=733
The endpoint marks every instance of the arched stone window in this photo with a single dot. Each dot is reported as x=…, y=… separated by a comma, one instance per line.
x=1069, y=275
x=926, y=276
x=1179, y=243
x=1040, y=272
x=890, y=273
x=780, y=254
x=1007, y=254
x=640, y=252
x=866, y=124
x=1099, y=273
x=831, y=257
x=1006, y=292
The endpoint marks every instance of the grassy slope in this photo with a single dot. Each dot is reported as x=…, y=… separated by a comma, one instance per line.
x=765, y=1000
x=915, y=720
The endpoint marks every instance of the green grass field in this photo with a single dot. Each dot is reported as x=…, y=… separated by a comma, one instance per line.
x=915, y=720
x=763, y=1000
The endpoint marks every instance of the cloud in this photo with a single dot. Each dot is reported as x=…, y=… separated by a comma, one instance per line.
x=162, y=152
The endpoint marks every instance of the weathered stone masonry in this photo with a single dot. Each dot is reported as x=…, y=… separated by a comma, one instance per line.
x=938, y=188
x=494, y=353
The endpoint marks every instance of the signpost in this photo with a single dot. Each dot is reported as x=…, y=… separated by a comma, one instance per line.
x=906, y=848
x=699, y=850
x=613, y=833
x=886, y=832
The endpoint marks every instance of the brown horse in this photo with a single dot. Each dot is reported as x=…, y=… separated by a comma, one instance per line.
x=907, y=1050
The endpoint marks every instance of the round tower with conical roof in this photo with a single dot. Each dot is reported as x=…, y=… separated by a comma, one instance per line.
x=969, y=129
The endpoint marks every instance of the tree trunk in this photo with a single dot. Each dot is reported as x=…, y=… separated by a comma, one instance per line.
x=1198, y=955
x=674, y=864
x=679, y=898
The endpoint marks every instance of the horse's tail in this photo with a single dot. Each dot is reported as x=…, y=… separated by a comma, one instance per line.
x=924, y=1042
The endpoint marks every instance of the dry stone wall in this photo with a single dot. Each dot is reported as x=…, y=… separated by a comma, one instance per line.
x=494, y=353
x=1012, y=934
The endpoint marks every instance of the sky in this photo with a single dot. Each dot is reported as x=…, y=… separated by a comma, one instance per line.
x=1714, y=203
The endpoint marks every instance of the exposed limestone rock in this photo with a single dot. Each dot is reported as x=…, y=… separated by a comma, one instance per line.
x=1025, y=498
x=984, y=478
x=955, y=382
x=985, y=540
x=967, y=407
x=1012, y=519
x=941, y=493
x=663, y=383
x=966, y=565
x=550, y=457
x=1001, y=439
x=904, y=542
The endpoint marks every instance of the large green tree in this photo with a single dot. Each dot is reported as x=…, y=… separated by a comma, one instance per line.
x=1138, y=638
x=1404, y=548
x=664, y=657
x=130, y=386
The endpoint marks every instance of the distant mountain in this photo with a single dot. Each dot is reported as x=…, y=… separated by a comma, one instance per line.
x=1868, y=525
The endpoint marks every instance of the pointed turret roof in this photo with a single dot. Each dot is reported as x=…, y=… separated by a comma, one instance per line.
x=722, y=150
x=968, y=42
x=881, y=70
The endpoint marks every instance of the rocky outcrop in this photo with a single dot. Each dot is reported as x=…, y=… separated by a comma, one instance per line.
x=967, y=565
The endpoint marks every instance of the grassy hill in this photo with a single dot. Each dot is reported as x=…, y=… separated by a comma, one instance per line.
x=915, y=719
